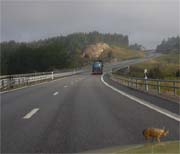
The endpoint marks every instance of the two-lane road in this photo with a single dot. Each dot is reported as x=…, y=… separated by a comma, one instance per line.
x=74, y=114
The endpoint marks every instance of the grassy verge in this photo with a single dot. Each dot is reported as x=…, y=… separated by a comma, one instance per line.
x=170, y=147
x=159, y=148
x=166, y=66
x=139, y=84
x=117, y=53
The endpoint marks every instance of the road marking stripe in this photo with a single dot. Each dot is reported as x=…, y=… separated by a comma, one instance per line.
x=31, y=113
x=56, y=93
x=65, y=86
x=145, y=103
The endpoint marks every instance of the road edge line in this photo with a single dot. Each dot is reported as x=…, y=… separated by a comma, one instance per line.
x=142, y=102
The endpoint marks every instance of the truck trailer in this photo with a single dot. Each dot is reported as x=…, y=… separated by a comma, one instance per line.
x=97, y=67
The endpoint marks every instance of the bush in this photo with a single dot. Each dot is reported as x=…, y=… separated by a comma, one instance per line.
x=155, y=73
x=178, y=73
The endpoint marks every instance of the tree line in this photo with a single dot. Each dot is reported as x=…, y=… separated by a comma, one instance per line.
x=52, y=53
x=136, y=47
x=172, y=44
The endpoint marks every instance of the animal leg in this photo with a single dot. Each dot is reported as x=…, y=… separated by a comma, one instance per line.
x=152, y=139
x=158, y=139
x=146, y=137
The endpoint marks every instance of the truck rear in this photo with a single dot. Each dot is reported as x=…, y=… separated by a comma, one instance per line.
x=97, y=67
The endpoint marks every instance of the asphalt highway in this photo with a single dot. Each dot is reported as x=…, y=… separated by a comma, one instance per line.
x=75, y=114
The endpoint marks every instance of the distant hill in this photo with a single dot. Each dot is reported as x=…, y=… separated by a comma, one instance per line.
x=57, y=52
x=172, y=44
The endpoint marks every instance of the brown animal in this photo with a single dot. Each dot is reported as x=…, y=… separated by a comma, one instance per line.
x=155, y=133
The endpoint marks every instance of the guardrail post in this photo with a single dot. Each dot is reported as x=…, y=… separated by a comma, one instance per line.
x=19, y=81
x=22, y=81
x=52, y=75
x=2, y=82
x=128, y=82
x=27, y=81
x=146, y=85
x=158, y=87
x=132, y=83
x=11, y=81
x=8, y=82
x=174, y=84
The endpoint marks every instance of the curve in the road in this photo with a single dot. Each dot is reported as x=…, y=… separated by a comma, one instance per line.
x=142, y=102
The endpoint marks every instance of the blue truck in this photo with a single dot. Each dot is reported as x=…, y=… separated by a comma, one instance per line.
x=97, y=67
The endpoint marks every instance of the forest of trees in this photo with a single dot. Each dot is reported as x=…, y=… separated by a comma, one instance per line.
x=172, y=44
x=136, y=47
x=53, y=53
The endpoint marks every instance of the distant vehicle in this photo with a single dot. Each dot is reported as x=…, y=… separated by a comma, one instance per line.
x=97, y=67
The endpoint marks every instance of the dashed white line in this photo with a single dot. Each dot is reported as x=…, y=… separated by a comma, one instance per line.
x=31, y=113
x=56, y=93
x=65, y=86
x=145, y=103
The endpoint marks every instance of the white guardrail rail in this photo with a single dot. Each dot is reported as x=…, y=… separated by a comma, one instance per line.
x=13, y=81
x=159, y=86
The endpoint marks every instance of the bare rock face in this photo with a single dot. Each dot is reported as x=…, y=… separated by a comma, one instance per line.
x=95, y=50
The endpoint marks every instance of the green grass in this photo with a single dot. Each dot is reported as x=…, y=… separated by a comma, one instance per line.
x=158, y=148
x=168, y=64
x=120, y=53
x=172, y=58
x=170, y=147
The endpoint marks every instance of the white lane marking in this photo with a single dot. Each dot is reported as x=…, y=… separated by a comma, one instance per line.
x=56, y=93
x=65, y=86
x=145, y=103
x=31, y=113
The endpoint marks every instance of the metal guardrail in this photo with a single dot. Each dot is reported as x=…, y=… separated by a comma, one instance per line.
x=159, y=86
x=13, y=81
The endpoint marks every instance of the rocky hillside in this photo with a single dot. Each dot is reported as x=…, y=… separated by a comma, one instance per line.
x=109, y=53
x=94, y=51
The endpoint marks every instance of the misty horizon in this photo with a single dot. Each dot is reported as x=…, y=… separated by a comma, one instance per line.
x=146, y=22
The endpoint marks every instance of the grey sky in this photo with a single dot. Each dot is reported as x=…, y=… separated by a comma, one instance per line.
x=145, y=21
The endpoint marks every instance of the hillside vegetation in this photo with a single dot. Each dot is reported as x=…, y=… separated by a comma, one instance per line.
x=110, y=53
x=167, y=66
x=164, y=67
x=60, y=52
x=172, y=44
x=119, y=53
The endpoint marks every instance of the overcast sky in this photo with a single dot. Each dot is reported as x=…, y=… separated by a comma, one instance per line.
x=145, y=21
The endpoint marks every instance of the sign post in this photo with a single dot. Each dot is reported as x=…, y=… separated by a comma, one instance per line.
x=145, y=77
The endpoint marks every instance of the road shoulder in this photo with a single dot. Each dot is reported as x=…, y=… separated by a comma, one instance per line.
x=168, y=108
